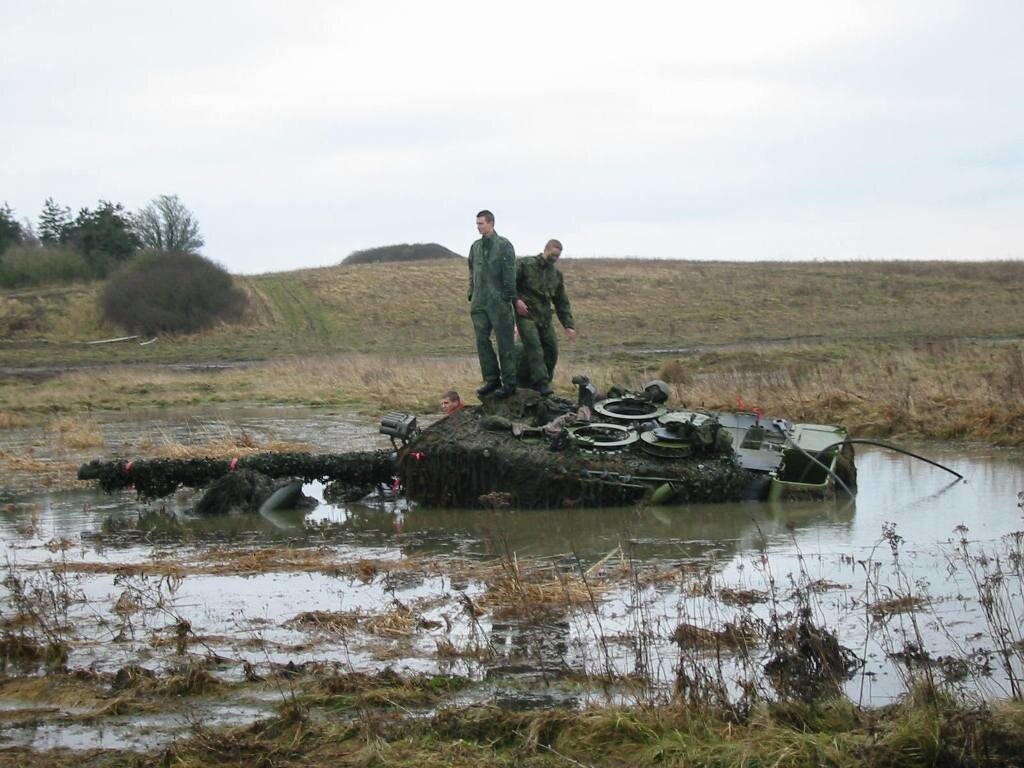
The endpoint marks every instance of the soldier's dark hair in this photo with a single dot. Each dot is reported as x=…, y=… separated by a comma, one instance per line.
x=487, y=216
x=553, y=243
x=451, y=394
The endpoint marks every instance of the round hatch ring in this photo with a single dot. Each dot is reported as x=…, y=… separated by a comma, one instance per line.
x=602, y=437
x=630, y=409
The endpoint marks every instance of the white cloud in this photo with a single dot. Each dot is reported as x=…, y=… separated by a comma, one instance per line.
x=826, y=128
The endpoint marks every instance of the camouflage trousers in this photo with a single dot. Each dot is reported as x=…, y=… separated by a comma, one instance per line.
x=539, y=354
x=496, y=317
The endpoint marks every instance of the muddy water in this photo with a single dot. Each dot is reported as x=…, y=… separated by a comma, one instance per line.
x=757, y=549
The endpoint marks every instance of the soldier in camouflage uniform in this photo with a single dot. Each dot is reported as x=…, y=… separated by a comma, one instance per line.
x=539, y=284
x=492, y=288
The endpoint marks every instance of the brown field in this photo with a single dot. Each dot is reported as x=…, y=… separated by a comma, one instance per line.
x=898, y=349
x=621, y=306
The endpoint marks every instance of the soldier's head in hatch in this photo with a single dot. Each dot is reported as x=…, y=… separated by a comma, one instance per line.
x=450, y=402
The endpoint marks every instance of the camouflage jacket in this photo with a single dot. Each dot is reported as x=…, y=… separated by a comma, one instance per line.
x=540, y=285
x=492, y=271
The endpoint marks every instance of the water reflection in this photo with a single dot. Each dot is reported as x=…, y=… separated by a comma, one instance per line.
x=893, y=488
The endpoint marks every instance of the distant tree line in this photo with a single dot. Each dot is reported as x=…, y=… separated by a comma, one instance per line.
x=92, y=244
x=156, y=281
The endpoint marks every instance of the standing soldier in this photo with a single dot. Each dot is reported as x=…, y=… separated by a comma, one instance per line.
x=539, y=284
x=492, y=288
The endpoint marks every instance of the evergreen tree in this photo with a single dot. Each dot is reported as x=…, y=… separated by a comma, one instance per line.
x=104, y=236
x=28, y=233
x=11, y=232
x=54, y=223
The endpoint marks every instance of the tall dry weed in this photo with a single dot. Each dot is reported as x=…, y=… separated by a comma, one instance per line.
x=76, y=434
x=222, y=442
x=11, y=420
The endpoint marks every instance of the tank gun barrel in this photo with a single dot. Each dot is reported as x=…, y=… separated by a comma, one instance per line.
x=153, y=478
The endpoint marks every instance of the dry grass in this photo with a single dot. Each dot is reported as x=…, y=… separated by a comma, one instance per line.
x=25, y=468
x=72, y=434
x=361, y=380
x=525, y=587
x=12, y=420
x=478, y=651
x=245, y=562
x=331, y=622
x=334, y=309
x=366, y=726
x=905, y=604
x=697, y=302
x=264, y=560
x=67, y=442
x=366, y=382
x=743, y=597
x=24, y=462
x=399, y=621
x=64, y=692
x=51, y=451
x=731, y=636
x=942, y=390
x=225, y=446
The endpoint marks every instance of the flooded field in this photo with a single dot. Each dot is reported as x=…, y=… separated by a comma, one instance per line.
x=126, y=624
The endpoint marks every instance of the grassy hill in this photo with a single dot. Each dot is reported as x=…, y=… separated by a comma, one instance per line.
x=622, y=307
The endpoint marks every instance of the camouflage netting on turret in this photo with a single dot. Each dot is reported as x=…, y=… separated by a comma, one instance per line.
x=153, y=478
x=458, y=462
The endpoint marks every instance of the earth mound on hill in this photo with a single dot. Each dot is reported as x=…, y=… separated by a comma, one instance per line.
x=404, y=252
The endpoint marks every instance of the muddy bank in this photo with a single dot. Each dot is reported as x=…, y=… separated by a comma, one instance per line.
x=388, y=720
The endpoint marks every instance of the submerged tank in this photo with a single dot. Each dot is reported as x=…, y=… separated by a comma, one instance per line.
x=528, y=451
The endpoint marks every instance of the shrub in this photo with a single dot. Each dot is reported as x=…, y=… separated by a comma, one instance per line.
x=161, y=292
x=25, y=265
x=404, y=252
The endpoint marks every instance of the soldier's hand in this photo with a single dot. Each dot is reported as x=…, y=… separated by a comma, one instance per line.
x=521, y=308
x=570, y=334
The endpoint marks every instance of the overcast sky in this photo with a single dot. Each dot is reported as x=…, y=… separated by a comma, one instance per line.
x=298, y=132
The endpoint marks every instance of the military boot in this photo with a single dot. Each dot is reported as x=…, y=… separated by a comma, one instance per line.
x=506, y=391
x=543, y=388
x=490, y=386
